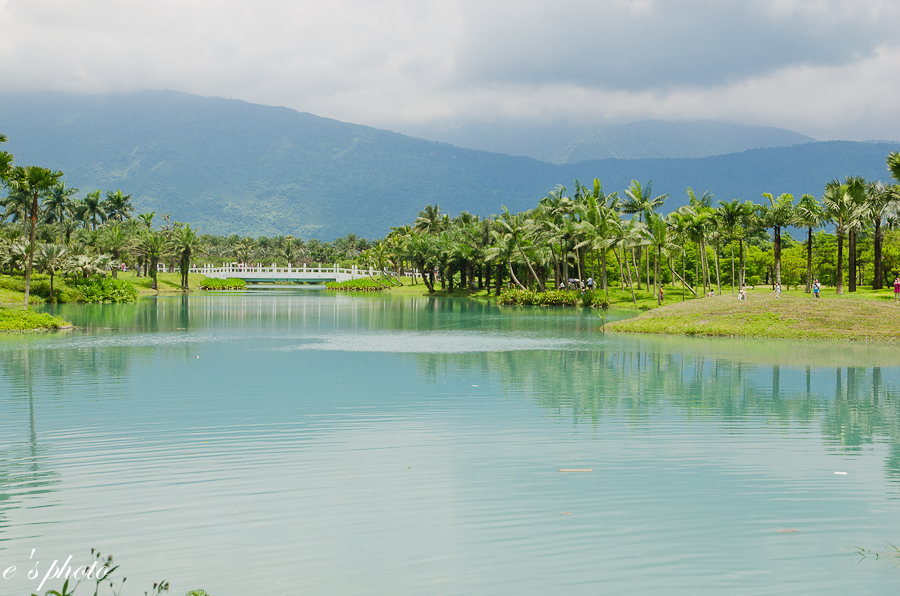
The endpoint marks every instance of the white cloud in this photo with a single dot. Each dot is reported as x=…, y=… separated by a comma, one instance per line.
x=822, y=67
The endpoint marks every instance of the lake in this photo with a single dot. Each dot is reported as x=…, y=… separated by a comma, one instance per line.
x=295, y=441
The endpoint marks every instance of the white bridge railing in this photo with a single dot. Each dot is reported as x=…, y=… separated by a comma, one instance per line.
x=263, y=273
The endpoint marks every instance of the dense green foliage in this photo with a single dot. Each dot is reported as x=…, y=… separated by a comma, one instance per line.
x=364, y=284
x=97, y=288
x=14, y=319
x=271, y=171
x=232, y=283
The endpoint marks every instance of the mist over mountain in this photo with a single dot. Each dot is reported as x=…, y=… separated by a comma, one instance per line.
x=235, y=167
x=685, y=138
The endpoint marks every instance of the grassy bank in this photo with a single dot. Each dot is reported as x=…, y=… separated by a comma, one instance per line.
x=16, y=319
x=863, y=316
x=166, y=283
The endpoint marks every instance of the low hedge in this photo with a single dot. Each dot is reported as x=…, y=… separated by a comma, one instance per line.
x=232, y=283
x=551, y=298
x=356, y=285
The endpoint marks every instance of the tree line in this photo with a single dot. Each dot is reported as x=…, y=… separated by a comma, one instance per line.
x=619, y=238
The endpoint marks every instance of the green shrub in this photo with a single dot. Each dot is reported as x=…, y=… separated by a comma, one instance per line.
x=232, y=283
x=106, y=289
x=26, y=320
x=548, y=298
x=364, y=284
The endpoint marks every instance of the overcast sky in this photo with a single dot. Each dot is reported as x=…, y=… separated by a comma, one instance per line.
x=826, y=68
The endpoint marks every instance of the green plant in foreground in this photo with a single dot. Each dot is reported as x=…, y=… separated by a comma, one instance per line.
x=892, y=553
x=106, y=289
x=106, y=566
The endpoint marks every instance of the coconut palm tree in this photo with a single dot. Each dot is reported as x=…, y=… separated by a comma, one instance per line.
x=639, y=200
x=514, y=226
x=808, y=214
x=882, y=202
x=36, y=182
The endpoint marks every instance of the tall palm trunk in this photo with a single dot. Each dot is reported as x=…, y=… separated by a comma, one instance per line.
x=851, y=259
x=578, y=262
x=28, y=263
x=637, y=270
x=630, y=282
x=839, y=274
x=530, y=268
x=513, y=274
x=877, y=281
x=656, y=275
x=621, y=271
x=718, y=277
x=777, y=254
x=603, y=266
x=732, y=266
x=809, y=260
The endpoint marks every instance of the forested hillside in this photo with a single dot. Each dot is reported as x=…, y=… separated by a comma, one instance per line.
x=235, y=167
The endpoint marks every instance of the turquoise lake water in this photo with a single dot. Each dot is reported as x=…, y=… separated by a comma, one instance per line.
x=291, y=441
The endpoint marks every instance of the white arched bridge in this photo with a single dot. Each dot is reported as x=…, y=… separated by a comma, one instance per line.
x=260, y=273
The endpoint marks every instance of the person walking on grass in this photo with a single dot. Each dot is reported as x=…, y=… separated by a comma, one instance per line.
x=777, y=290
x=816, y=288
x=662, y=295
x=896, y=288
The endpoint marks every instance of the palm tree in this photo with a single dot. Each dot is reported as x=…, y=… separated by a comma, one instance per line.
x=842, y=208
x=186, y=242
x=729, y=218
x=60, y=205
x=639, y=199
x=6, y=162
x=779, y=215
x=114, y=240
x=36, y=182
x=118, y=206
x=430, y=220
x=50, y=258
x=893, y=164
x=882, y=202
x=513, y=226
x=153, y=245
x=808, y=214
x=91, y=208
x=659, y=235
x=147, y=219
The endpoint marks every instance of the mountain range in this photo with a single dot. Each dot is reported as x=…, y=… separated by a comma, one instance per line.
x=235, y=167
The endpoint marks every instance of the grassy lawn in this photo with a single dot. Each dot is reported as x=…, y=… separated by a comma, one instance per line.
x=16, y=319
x=862, y=316
x=166, y=282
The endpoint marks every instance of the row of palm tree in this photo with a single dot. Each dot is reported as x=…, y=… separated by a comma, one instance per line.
x=575, y=234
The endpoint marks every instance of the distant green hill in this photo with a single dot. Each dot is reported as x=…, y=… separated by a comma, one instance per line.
x=235, y=167
x=684, y=138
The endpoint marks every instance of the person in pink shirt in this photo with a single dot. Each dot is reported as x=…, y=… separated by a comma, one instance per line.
x=897, y=288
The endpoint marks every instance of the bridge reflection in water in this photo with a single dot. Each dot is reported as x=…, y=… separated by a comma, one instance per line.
x=260, y=273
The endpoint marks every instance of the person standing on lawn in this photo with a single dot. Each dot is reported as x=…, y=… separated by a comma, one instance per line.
x=897, y=288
